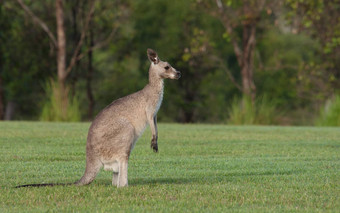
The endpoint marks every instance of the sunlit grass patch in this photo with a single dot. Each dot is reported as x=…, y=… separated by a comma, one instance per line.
x=199, y=168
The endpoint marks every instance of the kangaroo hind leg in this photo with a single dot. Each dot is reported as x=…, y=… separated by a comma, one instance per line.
x=123, y=159
x=123, y=173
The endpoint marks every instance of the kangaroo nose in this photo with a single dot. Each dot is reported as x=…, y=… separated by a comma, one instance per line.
x=178, y=74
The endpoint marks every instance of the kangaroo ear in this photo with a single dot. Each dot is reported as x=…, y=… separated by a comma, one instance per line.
x=152, y=55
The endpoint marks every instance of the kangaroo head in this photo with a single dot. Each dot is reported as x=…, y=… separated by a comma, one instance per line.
x=161, y=68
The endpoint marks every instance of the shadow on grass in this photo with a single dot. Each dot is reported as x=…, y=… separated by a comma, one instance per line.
x=158, y=181
x=218, y=178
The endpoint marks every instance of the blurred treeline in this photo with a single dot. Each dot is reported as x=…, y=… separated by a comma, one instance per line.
x=249, y=61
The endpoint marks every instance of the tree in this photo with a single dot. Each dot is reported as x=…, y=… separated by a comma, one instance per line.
x=1, y=95
x=82, y=37
x=60, y=44
x=241, y=16
x=320, y=19
x=1, y=87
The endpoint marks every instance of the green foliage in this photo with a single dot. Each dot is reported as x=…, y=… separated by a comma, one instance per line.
x=199, y=168
x=53, y=108
x=320, y=18
x=285, y=69
x=330, y=113
x=24, y=61
x=244, y=112
x=294, y=70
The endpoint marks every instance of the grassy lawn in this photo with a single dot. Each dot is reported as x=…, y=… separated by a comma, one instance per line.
x=199, y=168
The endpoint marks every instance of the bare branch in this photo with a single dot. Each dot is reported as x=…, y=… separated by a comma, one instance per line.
x=237, y=48
x=82, y=37
x=251, y=41
x=231, y=77
x=104, y=42
x=39, y=22
x=98, y=45
x=226, y=69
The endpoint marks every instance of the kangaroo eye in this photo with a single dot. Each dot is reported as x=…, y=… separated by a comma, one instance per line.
x=167, y=67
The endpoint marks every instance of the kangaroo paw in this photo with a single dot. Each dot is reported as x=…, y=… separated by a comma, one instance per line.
x=154, y=145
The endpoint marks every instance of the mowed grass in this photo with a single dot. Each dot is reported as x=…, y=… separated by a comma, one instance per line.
x=199, y=168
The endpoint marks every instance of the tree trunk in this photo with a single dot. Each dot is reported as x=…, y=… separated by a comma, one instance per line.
x=188, y=113
x=249, y=39
x=89, y=78
x=1, y=70
x=76, y=38
x=244, y=54
x=1, y=99
x=61, y=57
x=1, y=88
x=10, y=110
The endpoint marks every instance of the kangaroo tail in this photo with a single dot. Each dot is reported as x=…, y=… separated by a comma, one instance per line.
x=87, y=178
x=91, y=171
x=44, y=185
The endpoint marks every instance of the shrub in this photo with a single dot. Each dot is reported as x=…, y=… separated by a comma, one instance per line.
x=330, y=113
x=244, y=112
x=57, y=108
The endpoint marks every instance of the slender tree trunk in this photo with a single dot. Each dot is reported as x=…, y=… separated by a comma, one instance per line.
x=2, y=108
x=247, y=72
x=1, y=99
x=188, y=112
x=89, y=78
x=10, y=110
x=61, y=56
x=76, y=38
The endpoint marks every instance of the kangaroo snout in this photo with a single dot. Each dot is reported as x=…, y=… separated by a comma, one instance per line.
x=177, y=75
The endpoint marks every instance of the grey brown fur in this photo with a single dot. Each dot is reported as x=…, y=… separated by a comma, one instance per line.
x=116, y=128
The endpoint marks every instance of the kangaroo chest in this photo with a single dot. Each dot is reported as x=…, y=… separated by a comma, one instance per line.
x=159, y=102
x=155, y=97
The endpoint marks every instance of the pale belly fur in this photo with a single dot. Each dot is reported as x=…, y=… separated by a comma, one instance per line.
x=112, y=164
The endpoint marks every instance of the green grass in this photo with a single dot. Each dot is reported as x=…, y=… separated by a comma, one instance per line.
x=199, y=168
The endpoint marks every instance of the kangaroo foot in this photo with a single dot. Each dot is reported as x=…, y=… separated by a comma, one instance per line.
x=154, y=145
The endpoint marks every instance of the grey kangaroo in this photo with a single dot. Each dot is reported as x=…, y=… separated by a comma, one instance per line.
x=115, y=130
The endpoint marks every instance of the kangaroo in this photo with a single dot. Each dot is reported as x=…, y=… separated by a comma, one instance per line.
x=114, y=132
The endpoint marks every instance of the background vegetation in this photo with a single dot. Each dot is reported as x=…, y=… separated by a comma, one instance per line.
x=286, y=51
